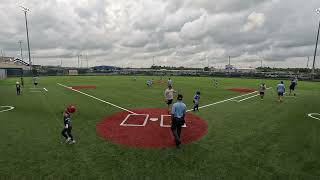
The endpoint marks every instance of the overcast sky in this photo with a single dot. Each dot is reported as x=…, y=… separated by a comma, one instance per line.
x=191, y=33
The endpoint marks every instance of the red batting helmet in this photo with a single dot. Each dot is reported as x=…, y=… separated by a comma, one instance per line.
x=71, y=109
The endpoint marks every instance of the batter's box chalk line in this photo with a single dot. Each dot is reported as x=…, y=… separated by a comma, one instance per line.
x=146, y=118
x=38, y=90
x=123, y=123
x=165, y=125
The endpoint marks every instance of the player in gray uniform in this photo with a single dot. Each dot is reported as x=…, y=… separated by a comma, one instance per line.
x=149, y=83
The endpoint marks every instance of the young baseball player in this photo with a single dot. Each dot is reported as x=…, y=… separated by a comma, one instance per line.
x=294, y=83
x=18, y=88
x=66, y=132
x=196, y=100
x=215, y=83
x=262, y=90
x=170, y=83
x=35, y=80
x=281, y=90
x=22, y=81
x=168, y=95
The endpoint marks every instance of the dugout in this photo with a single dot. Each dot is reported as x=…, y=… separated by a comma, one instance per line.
x=10, y=72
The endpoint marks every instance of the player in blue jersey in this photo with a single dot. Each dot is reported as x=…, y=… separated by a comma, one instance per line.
x=281, y=89
x=196, y=99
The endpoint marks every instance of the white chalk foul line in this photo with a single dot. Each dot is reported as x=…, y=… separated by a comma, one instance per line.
x=312, y=116
x=9, y=108
x=230, y=99
x=45, y=89
x=97, y=98
x=251, y=96
x=248, y=98
x=35, y=91
x=288, y=96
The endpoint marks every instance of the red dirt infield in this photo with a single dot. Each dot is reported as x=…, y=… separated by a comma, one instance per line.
x=83, y=87
x=147, y=130
x=242, y=90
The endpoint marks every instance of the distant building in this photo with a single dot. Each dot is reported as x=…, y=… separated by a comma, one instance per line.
x=105, y=68
x=11, y=62
x=230, y=68
x=6, y=59
x=247, y=70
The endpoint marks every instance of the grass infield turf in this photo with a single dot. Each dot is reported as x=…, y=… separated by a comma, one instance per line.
x=252, y=139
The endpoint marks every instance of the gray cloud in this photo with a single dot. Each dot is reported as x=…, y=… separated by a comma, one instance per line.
x=176, y=32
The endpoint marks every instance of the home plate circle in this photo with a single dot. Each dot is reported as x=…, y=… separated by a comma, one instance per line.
x=149, y=128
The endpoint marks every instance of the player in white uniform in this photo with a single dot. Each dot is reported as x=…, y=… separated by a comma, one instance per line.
x=262, y=90
x=168, y=94
x=35, y=80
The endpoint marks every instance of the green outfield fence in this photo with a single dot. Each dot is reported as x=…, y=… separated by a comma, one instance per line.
x=58, y=71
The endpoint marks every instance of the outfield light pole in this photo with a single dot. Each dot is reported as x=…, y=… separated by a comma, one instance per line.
x=2, y=58
x=229, y=65
x=87, y=60
x=20, y=42
x=25, y=10
x=79, y=55
x=153, y=61
x=315, y=51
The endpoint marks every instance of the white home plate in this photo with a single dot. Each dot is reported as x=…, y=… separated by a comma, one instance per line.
x=154, y=119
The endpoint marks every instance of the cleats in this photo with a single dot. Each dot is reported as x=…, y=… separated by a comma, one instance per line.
x=72, y=142
x=69, y=141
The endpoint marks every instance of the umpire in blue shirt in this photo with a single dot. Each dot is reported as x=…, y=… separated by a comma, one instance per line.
x=177, y=116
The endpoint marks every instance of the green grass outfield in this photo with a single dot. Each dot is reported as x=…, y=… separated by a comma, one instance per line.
x=247, y=140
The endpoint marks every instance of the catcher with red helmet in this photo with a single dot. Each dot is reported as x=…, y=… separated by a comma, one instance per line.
x=66, y=132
